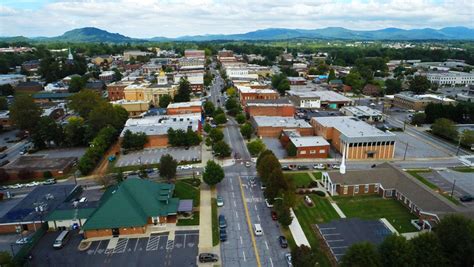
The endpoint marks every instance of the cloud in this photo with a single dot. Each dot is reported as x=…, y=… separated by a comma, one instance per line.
x=148, y=18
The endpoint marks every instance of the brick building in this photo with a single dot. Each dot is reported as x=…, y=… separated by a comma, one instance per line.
x=361, y=140
x=247, y=93
x=305, y=146
x=184, y=108
x=32, y=166
x=270, y=107
x=271, y=126
x=28, y=87
x=297, y=80
x=419, y=102
x=115, y=90
x=194, y=53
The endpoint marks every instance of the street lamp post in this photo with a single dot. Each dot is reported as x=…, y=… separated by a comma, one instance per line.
x=452, y=190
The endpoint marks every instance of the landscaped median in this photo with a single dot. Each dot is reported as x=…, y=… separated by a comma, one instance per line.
x=215, y=226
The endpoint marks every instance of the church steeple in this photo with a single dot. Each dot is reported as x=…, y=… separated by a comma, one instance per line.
x=69, y=56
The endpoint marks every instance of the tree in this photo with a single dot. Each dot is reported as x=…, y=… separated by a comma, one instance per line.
x=266, y=165
x=240, y=118
x=164, y=101
x=283, y=213
x=419, y=84
x=281, y=83
x=221, y=149
x=418, y=119
x=47, y=175
x=246, y=130
x=232, y=106
x=255, y=147
x=312, y=71
x=361, y=255
x=207, y=128
x=6, y=259
x=332, y=75
x=445, y=128
x=46, y=132
x=220, y=118
x=74, y=132
x=3, y=103
x=24, y=113
x=427, y=250
x=393, y=86
x=168, y=167
x=117, y=74
x=216, y=135
x=303, y=256
x=231, y=92
x=119, y=177
x=209, y=108
x=84, y=101
x=467, y=138
x=213, y=173
x=134, y=140
x=396, y=251
x=291, y=150
x=76, y=84
x=456, y=236
x=6, y=90
x=184, y=91
x=354, y=79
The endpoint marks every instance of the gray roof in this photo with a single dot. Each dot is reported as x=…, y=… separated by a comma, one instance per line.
x=361, y=111
x=305, y=141
x=389, y=177
x=275, y=121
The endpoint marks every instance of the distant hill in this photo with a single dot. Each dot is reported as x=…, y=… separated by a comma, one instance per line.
x=91, y=34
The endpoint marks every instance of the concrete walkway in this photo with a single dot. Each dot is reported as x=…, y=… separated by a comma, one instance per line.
x=297, y=231
x=337, y=209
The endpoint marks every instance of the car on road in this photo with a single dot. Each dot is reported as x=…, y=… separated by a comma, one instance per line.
x=257, y=228
x=466, y=198
x=49, y=181
x=252, y=180
x=283, y=242
x=318, y=166
x=308, y=200
x=23, y=240
x=222, y=221
x=220, y=201
x=285, y=168
x=248, y=164
x=222, y=235
x=302, y=167
x=288, y=259
x=208, y=257
x=335, y=166
x=274, y=215
x=263, y=186
x=185, y=167
x=269, y=205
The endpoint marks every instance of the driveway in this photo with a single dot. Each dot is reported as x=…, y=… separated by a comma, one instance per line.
x=156, y=250
x=152, y=156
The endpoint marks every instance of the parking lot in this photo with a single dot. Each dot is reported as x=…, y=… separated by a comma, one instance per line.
x=417, y=148
x=446, y=178
x=152, y=156
x=156, y=250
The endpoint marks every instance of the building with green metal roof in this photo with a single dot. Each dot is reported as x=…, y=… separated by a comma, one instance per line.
x=130, y=206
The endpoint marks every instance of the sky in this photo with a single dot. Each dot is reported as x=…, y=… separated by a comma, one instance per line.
x=173, y=18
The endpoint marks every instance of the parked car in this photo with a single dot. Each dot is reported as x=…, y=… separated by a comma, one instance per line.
x=274, y=216
x=49, y=181
x=248, y=164
x=285, y=168
x=222, y=235
x=288, y=259
x=308, y=200
x=263, y=186
x=282, y=241
x=208, y=257
x=302, y=167
x=318, y=166
x=222, y=221
x=220, y=201
x=268, y=203
x=335, y=166
x=23, y=240
x=466, y=198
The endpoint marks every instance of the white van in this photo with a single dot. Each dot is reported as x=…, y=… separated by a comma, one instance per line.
x=61, y=240
x=257, y=228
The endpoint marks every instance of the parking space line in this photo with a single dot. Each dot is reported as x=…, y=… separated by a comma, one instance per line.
x=266, y=244
x=97, y=248
x=136, y=245
x=152, y=243
x=238, y=226
x=243, y=252
x=271, y=262
x=236, y=215
x=241, y=241
x=258, y=217
x=235, y=204
x=255, y=206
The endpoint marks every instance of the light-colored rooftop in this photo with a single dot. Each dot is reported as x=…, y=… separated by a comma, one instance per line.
x=159, y=125
x=362, y=111
x=305, y=141
x=324, y=96
x=185, y=104
x=246, y=89
x=425, y=97
x=275, y=121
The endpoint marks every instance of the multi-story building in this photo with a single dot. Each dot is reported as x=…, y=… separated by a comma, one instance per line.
x=362, y=113
x=150, y=93
x=184, y=108
x=419, y=102
x=107, y=76
x=270, y=107
x=247, y=93
x=305, y=146
x=134, y=108
x=194, y=53
x=195, y=79
x=359, y=139
x=450, y=78
x=271, y=126
x=115, y=90
x=318, y=99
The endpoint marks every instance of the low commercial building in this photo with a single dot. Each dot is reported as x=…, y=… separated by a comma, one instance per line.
x=134, y=108
x=450, y=78
x=28, y=87
x=271, y=126
x=318, y=99
x=270, y=107
x=388, y=181
x=468, y=96
x=5, y=121
x=297, y=80
x=305, y=146
x=107, y=76
x=31, y=212
x=131, y=207
x=247, y=93
x=363, y=113
x=190, y=53
x=419, y=102
x=156, y=127
x=184, y=108
x=12, y=79
x=35, y=166
x=359, y=139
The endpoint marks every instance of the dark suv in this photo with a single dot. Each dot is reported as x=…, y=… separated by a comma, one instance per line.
x=282, y=241
x=208, y=257
x=222, y=221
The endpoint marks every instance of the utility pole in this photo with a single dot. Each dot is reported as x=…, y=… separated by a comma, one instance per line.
x=405, y=154
x=452, y=190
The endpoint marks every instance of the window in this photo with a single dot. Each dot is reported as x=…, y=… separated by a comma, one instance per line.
x=312, y=152
x=322, y=151
x=366, y=189
x=389, y=193
x=356, y=189
x=370, y=155
x=376, y=188
x=303, y=152
x=344, y=192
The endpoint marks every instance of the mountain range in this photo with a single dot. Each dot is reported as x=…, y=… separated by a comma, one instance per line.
x=91, y=34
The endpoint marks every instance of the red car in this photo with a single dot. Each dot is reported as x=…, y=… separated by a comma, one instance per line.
x=274, y=216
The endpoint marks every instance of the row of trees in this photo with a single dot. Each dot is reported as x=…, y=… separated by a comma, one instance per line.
x=183, y=138
x=99, y=145
x=459, y=113
x=450, y=244
x=447, y=129
x=134, y=141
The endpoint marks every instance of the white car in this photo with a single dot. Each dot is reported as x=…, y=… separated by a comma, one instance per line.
x=268, y=204
x=335, y=166
x=185, y=167
x=288, y=259
x=318, y=166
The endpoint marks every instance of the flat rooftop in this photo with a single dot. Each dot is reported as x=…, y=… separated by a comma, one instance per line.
x=353, y=128
x=362, y=111
x=246, y=89
x=159, y=125
x=185, y=104
x=269, y=102
x=340, y=234
x=324, y=96
x=276, y=121
x=425, y=97
x=40, y=163
x=308, y=141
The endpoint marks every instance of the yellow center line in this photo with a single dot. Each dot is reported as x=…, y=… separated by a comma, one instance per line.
x=254, y=243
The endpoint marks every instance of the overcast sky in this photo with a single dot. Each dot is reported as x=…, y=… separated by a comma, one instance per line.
x=170, y=18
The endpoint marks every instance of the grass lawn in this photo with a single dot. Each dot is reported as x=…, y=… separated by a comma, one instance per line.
x=321, y=212
x=184, y=190
x=375, y=207
x=463, y=169
x=189, y=222
x=215, y=226
x=318, y=175
x=301, y=179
